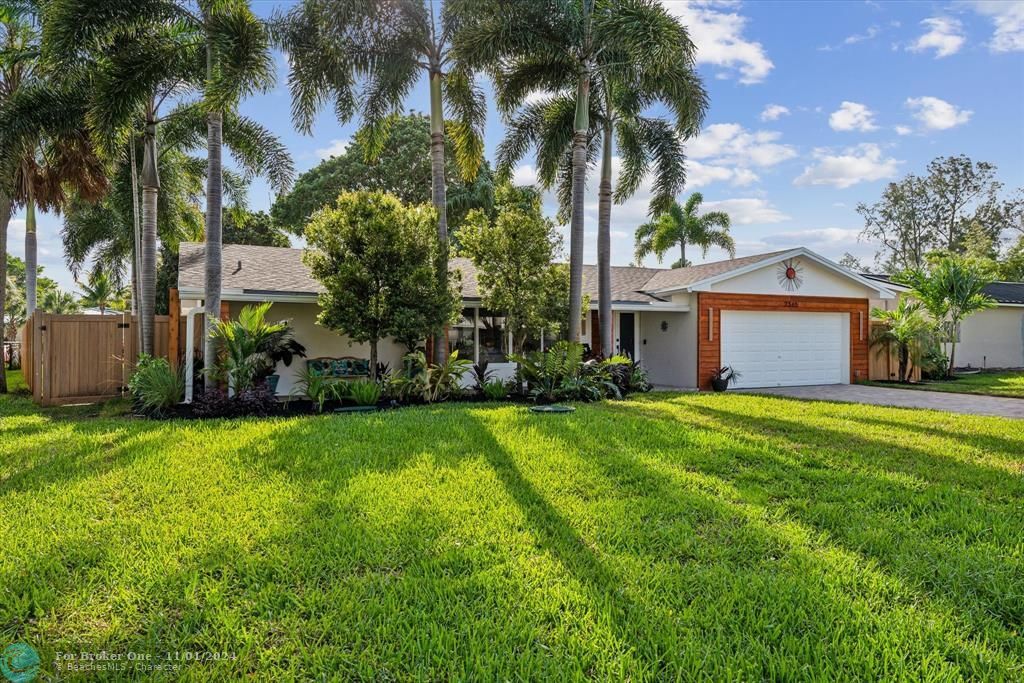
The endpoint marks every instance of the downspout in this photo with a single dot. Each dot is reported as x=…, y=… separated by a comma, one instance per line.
x=190, y=335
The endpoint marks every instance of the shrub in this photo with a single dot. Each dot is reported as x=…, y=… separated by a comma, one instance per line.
x=155, y=386
x=257, y=401
x=317, y=388
x=364, y=392
x=251, y=347
x=560, y=374
x=495, y=390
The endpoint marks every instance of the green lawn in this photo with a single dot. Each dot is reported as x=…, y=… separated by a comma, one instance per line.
x=714, y=536
x=989, y=383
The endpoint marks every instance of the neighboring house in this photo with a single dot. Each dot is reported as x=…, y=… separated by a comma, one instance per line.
x=988, y=339
x=783, y=318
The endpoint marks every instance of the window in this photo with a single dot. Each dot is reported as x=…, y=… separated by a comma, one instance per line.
x=460, y=335
x=493, y=337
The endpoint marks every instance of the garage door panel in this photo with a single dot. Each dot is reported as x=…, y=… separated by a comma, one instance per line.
x=773, y=348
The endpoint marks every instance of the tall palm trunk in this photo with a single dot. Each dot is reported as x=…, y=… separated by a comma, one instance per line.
x=682, y=253
x=214, y=228
x=31, y=256
x=5, y=219
x=439, y=196
x=579, y=186
x=150, y=194
x=604, y=242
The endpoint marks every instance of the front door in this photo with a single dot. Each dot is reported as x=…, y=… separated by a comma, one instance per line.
x=627, y=335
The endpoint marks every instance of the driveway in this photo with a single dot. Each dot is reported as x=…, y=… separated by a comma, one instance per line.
x=905, y=398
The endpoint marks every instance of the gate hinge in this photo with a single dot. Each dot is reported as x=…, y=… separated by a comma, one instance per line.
x=123, y=326
x=42, y=327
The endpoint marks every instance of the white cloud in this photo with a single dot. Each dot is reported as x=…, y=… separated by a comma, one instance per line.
x=773, y=111
x=1008, y=18
x=748, y=210
x=829, y=242
x=944, y=36
x=730, y=143
x=903, y=130
x=862, y=163
x=524, y=175
x=719, y=38
x=853, y=39
x=699, y=175
x=852, y=116
x=936, y=114
x=336, y=148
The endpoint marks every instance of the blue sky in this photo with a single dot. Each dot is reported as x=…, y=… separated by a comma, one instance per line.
x=814, y=107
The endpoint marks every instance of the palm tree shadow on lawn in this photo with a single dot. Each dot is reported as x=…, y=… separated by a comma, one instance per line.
x=935, y=535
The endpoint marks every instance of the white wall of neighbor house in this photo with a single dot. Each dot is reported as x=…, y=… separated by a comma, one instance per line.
x=668, y=343
x=988, y=339
x=992, y=339
x=816, y=280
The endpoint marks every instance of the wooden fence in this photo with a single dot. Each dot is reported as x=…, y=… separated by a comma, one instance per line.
x=883, y=365
x=86, y=358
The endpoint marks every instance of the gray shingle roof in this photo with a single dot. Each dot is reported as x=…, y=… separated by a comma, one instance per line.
x=1002, y=292
x=279, y=269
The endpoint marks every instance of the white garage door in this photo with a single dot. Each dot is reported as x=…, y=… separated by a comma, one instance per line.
x=778, y=349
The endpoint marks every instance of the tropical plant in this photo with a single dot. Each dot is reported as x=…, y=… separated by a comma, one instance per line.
x=168, y=49
x=101, y=292
x=43, y=150
x=59, y=302
x=251, y=347
x=905, y=328
x=951, y=290
x=495, y=390
x=726, y=375
x=155, y=386
x=531, y=48
x=364, y=392
x=317, y=387
x=681, y=225
x=432, y=382
x=376, y=259
x=336, y=45
x=561, y=374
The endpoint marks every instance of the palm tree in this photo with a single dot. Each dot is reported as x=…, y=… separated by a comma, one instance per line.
x=951, y=290
x=59, y=302
x=336, y=45
x=165, y=52
x=907, y=329
x=101, y=291
x=531, y=47
x=682, y=225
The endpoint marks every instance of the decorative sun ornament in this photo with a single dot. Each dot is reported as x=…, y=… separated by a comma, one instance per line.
x=789, y=275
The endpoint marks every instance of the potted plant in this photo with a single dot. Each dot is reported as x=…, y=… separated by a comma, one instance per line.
x=722, y=377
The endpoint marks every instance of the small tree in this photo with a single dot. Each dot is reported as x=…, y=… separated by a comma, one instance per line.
x=376, y=258
x=907, y=329
x=951, y=290
x=513, y=255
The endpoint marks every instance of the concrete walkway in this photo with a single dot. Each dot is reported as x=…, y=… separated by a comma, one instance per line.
x=905, y=398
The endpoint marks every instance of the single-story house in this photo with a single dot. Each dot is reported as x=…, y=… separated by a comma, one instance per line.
x=782, y=318
x=988, y=339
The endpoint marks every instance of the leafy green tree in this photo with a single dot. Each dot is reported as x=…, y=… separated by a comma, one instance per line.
x=906, y=328
x=513, y=256
x=951, y=290
x=376, y=258
x=532, y=47
x=402, y=168
x=14, y=312
x=253, y=227
x=954, y=204
x=336, y=45
x=682, y=225
x=1010, y=267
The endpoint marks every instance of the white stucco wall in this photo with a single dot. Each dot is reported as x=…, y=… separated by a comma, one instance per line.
x=992, y=339
x=816, y=281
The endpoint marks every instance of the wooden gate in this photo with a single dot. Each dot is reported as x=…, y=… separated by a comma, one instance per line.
x=884, y=364
x=83, y=358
